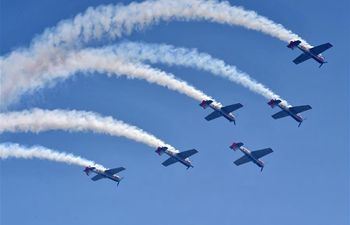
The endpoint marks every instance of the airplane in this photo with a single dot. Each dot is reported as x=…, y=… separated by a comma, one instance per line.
x=313, y=52
x=249, y=156
x=292, y=111
x=109, y=173
x=176, y=156
x=220, y=110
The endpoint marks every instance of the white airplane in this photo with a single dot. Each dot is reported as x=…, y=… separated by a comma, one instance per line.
x=292, y=111
x=110, y=173
x=314, y=52
x=176, y=156
x=220, y=110
x=250, y=156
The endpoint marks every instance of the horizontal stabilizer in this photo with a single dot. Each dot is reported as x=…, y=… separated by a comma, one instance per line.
x=187, y=153
x=293, y=44
x=161, y=150
x=235, y=145
x=88, y=170
x=205, y=103
x=274, y=102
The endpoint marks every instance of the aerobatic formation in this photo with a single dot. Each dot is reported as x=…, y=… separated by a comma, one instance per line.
x=26, y=70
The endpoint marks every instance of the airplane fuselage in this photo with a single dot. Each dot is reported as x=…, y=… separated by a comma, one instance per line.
x=219, y=110
x=285, y=108
x=174, y=155
x=105, y=175
x=246, y=152
x=306, y=50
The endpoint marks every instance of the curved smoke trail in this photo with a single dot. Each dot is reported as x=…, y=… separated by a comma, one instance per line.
x=38, y=120
x=87, y=61
x=110, y=21
x=124, y=59
x=8, y=150
x=170, y=55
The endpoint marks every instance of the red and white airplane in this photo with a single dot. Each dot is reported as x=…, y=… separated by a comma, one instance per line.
x=249, y=156
x=313, y=52
x=292, y=111
x=110, y=173
x=176, y=156
x=220, y=110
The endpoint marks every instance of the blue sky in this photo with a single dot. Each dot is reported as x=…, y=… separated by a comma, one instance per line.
x=305, y=182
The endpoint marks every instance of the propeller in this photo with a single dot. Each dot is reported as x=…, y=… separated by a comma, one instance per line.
x=119, y=181
x=263, y=166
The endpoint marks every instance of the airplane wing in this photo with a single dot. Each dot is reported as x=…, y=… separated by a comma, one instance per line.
x=169, y=161
x=115, y=170
x=231, y=108
x=187, y=153
x=261, y=153
x=212, y=116
x=301, y=58
x=97, y=177
x=321, y=48
x=279, y=115
x=242, y=160
x=299, y=109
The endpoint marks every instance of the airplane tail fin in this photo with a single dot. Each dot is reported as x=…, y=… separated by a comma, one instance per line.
x=293, y=44
x=274, y=102
x=87, y=170
x=236, y=146
x=205, y=103
x=160, y=150
x=302, y=121
x=119, y=181
x=322, y=64
x=263, y=166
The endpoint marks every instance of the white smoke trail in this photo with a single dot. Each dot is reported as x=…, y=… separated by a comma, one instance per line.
x=109, y=22
x=87, y=61
x=168, y=54
x=113, y=21
x=8, y=150
x=38, y=120
x=105, y=61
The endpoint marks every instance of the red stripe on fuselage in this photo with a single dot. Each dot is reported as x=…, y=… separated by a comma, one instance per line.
x=249, y=155
x=318, y=58
x=229, y=116
x=295, y=116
